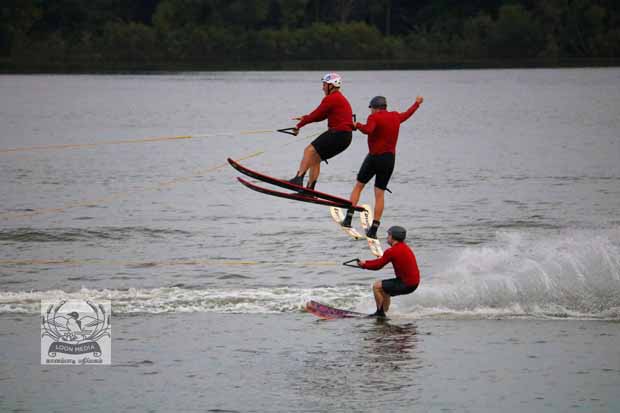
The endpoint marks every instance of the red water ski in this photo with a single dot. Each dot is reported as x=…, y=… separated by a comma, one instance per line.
x=330, y=313
x=287, y=185
x=296, y=196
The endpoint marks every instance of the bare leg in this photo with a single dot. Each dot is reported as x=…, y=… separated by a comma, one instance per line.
x=310, y=159
x=315, y=170
x=379, y=203
x=386, y=302
x=377, y=291
x=381, y=298
x=356, y=193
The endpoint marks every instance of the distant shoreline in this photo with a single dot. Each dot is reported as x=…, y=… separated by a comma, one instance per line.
x=9, y=66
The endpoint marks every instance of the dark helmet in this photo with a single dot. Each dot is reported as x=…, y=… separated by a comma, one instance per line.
x=378, y=102
x=397, y=233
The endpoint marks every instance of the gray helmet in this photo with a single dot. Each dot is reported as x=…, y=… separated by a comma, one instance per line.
x=378, y=102
x=397, y=233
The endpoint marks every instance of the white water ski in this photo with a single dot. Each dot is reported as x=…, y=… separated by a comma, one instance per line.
x=338, y=217
x=366, y=218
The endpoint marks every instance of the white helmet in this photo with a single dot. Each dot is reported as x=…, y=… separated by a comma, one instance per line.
x=333, y=79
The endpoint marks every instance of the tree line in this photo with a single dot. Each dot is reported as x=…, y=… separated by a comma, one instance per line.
x=100, y=34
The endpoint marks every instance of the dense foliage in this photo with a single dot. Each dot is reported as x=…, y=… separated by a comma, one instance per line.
x=227, y=33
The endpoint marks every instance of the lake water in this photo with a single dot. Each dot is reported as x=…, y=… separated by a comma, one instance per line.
x=508, y=182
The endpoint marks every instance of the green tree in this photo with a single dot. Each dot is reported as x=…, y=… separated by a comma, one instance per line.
x=233, y=31
x=244, y=13
x=293, y=13
x=550, y=13
x=171, y=15
x=586, y=32
x=17, y=17
x=476, y=34
x=516, y=34
x=131, y=42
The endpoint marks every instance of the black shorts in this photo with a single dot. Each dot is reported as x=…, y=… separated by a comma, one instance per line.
x=331, y=143
x=381, y=165
x=395, y=286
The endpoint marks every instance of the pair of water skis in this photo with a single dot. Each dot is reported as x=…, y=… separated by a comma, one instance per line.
x=336, y=205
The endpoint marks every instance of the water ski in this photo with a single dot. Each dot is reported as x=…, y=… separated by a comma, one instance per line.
x=338, y=216
x=330, y=313
x=294, y=196
x=366, y=217
x=327, y=312
x=301, y=193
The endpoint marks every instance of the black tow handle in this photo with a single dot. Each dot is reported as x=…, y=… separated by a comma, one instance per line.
x=289, y=131
x=349, y=263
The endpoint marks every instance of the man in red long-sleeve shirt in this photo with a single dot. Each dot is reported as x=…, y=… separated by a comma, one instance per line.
x=405, y=267
x=382, y=128
x=336, y=109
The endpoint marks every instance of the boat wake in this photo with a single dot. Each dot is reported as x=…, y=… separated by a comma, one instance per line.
x=574, y=274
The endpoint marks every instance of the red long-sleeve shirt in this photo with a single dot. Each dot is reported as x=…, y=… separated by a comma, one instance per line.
x=336, y=109
x=402, y=259
x=382, y=129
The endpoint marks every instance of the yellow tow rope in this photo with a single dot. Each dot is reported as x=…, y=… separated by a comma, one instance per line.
x=120, y=195
x=128, y=141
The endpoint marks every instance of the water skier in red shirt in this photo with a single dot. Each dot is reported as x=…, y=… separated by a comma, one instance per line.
x=382, y=128
x=405, y=267
x=336, y=109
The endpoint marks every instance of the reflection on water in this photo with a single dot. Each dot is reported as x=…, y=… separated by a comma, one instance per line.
x=389, y=356
x=391, y=343
x=374, y=363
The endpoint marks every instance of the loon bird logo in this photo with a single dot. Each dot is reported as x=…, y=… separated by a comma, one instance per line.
x=74, y=326
x=75, y=333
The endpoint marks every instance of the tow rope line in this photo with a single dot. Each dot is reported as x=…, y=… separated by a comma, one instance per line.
x=124, y=194
x=117, y=195
x=166, y=263
x=128, y=141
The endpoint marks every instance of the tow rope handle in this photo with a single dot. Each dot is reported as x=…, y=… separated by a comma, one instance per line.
x=288, y=131
x=349, y=263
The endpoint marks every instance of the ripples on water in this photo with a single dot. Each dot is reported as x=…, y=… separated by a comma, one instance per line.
x=510, y=194
x=507, y=180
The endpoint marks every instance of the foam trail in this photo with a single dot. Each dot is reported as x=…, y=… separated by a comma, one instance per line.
x=180, y=300
x=575, y=273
